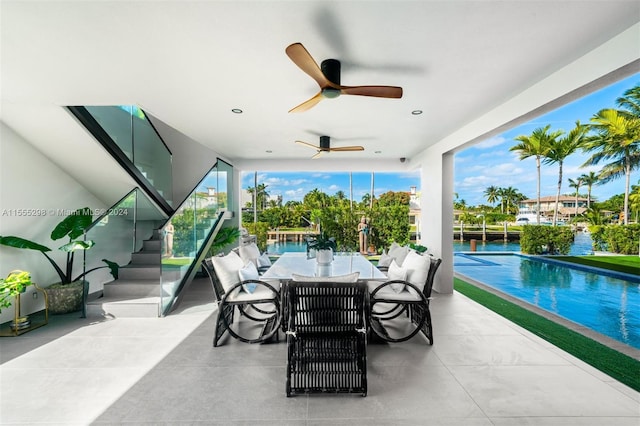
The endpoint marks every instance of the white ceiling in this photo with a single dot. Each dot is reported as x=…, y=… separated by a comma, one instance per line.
x=189, y=63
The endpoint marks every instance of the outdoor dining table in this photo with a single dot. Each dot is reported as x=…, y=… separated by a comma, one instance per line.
x=343, y=263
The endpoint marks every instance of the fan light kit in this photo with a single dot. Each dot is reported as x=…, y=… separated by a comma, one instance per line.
x=328, y=78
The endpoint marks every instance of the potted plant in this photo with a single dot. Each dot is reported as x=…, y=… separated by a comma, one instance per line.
x=10, y=289
x=67, y=295
x=16, y=283
x=324, y=247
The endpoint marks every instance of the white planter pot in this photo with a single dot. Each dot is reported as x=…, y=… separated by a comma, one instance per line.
x=324, y=257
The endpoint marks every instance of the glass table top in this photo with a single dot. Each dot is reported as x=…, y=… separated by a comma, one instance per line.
x=343, y=263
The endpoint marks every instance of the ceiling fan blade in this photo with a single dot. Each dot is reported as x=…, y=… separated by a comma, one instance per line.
x=301, y=57
x=347, y=148
x=308, y=144
x=376, y=91
x=318, y=154
x=308, y=104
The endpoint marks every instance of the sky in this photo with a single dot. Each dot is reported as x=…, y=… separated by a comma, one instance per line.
x=476, y=168
x=491, y=163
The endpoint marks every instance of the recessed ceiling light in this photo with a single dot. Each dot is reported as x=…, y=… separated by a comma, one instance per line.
x=236, y=111
x=416, y=112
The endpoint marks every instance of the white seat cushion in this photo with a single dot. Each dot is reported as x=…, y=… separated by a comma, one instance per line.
x=385, y=260
x=249, y=272
x=417, y=267
x=227, y=268
x=260, y=293
x=250, y=252
x=387, y=293
x=399, y=253
x=264, y=260
x=348, y=278
x=396, y=272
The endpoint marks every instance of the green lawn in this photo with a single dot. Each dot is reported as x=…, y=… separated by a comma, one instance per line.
x=626, y=264
x=617, y=365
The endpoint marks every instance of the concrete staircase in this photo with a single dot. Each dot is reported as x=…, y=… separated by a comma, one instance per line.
x=136, y=292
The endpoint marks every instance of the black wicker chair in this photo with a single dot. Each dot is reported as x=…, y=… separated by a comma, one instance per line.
x=259, y=311
x=326, y=338
x=397, y=317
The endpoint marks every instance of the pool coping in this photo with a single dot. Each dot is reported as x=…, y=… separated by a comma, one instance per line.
x=573, y=326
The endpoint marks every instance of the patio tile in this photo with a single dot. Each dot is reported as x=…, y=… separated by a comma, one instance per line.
x=564, y=421
x=494, y=350
x=548, y=391
x=401, y=392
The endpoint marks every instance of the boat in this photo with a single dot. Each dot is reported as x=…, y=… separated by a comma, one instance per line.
x=529, y=218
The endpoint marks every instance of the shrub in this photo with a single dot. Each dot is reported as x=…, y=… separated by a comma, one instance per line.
x=621, y=239
x=541, y=239
x=259, y=229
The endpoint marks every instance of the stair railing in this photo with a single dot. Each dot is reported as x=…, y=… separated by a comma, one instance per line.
x=189, y=231
x=129, y=136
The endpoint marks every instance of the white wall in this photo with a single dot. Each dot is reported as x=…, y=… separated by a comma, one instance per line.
x=29, y=180
x=190, y=159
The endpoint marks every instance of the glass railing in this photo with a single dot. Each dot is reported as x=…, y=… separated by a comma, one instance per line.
x=120, y=231
x=131, y=130
x=189, y=229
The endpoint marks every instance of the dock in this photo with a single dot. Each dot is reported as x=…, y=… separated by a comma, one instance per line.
x=291, y=236
x=479, y=235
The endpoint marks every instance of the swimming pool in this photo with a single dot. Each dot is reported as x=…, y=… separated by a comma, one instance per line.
x=605, y=304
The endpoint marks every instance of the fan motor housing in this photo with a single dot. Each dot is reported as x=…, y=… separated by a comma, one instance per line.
x=325, y=143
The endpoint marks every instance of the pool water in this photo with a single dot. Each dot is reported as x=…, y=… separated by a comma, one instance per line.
x=580, y=246
x=279, y=248
x=607, y=305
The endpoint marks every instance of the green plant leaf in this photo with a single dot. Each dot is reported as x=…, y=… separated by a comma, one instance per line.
x=21, y=243
x=113, y=266
x=73, y=225
x=77, y=245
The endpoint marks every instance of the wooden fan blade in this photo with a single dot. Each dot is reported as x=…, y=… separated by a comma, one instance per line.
x=376, y=91
x=347, y=148
x=308, y=104
x=318, y=154
x=308, y=144
x=301, y=57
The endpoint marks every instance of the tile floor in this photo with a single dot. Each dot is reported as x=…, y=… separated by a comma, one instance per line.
x=482, y=370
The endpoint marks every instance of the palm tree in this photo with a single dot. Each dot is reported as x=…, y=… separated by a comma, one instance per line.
x=589, y=180
x=511, y=196
x=491, y=193
x=536, y=145
x=577, y=183
x=261, y=195
x=634, y=199
x=617, y=140
x=500, y=194
x=559, y=150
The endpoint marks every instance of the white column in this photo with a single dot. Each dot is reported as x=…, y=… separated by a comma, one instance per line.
x=437, y=214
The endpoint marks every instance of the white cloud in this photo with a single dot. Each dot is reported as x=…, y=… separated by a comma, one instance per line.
x=491, y=142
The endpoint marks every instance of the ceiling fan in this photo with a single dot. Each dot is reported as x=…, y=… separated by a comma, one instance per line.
x=328, y=78
x=325, y=146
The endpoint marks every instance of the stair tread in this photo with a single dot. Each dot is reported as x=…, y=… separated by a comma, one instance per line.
x=130, y=281
x=126, y=300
